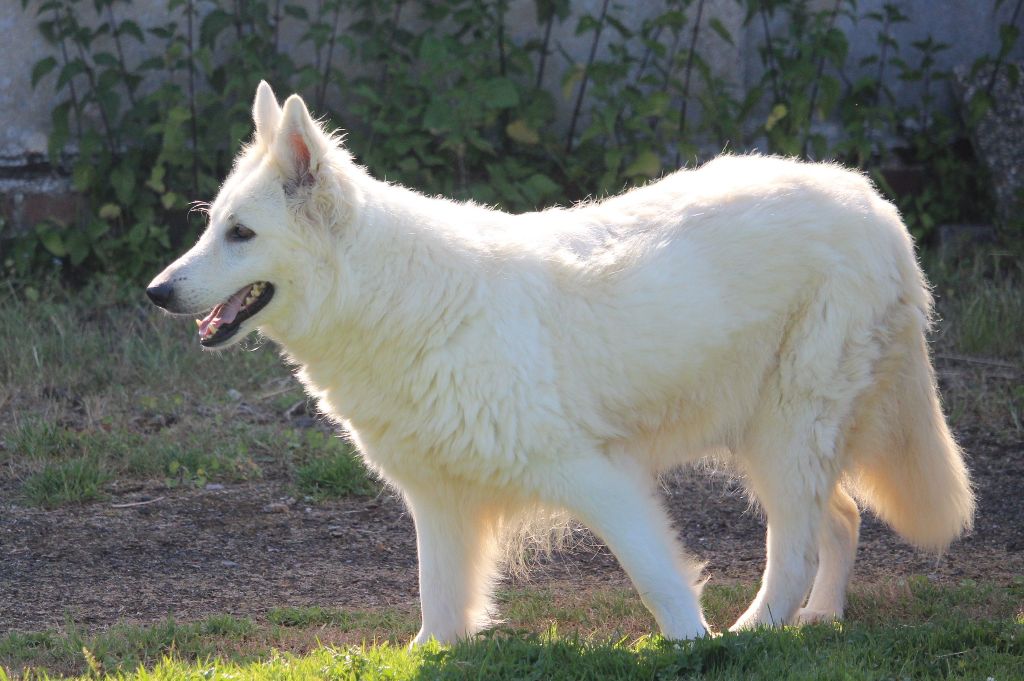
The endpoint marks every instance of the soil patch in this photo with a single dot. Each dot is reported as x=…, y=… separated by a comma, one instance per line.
x=245, y=548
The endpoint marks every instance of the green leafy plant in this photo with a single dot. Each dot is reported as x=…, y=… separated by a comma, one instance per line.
x=800, y=87
x=440, y=96
x=138, y=156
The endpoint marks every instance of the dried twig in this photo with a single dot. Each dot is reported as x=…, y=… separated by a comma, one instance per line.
x=978, y=360
x=138, y=503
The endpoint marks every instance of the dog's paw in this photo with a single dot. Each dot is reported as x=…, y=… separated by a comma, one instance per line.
x=808, y=616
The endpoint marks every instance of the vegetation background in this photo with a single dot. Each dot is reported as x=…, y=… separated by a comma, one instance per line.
x=438, y=96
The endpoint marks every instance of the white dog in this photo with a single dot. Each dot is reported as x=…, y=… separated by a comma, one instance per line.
x=489, y=365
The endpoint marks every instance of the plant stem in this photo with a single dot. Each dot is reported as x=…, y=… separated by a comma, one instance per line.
x=770, y=51
x=586, y=76
x=385, y=76
x=500, y=8
x=544, y=51
x=75, y=104
x=330, y=55
x=1002, y=52
x=120, y=54
x=647, y=54
x=687, y=74
x=189, y=10
x=873, y=118
x=277, y=23
x=817, y=79
x=238, y=19
x=881, y=61
x=672, y=55
x=91, y=77
x=318, y=49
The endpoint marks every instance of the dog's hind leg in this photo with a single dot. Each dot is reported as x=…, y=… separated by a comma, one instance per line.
x=617, y=500
x=837, y=549
x=790, y=470
x=457, y=543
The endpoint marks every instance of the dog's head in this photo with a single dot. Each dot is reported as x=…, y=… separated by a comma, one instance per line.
x=251, y=267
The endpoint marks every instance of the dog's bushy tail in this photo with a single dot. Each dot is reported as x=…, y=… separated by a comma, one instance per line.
x=907, y=466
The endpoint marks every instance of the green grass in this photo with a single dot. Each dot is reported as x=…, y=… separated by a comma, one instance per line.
x=980, y=304
x=97, y=386
x=395, y=621
x=71, y=482
x=339, y=474
x=60, y=465
x=964, y=651
x=899, y=630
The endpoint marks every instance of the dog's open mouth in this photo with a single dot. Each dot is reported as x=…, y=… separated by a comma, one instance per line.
x=223, y=321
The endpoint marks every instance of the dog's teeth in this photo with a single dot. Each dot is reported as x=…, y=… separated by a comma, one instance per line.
x=199, y=322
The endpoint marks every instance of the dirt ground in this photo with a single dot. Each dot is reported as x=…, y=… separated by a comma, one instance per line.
x=149, y=552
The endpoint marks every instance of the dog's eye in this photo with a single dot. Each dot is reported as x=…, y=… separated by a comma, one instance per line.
x=240, y=233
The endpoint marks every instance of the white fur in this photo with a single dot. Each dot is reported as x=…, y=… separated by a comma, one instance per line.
x=489, y=364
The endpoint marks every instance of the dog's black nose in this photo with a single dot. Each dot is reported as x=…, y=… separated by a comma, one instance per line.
x=161, y=294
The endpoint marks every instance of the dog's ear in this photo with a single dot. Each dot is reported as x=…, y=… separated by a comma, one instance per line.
x=299, y=145
x=266, y=113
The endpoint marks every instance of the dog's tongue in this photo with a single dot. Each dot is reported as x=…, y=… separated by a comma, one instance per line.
x=224, y=313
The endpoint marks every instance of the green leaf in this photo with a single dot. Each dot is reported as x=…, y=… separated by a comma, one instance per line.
x=519, y=131
x=433, y=52
x=646, y=163
x=718, y=27
x=69, y=71
x=214, y=22
x=438, y=116
x=156, y=179
x=61, y=130
x=499, y=93
x=613, y=160
x=539, y=186
x=97, y=228
x=41, y=68
x=1008, y=34
x=571, y=78
x=51, y=240
x=122, y=179
x=105, y=59
x=978, y=106
x=82, y=177
x=655, y=104
x=78, y=247
x=778, y=112
x=110, y=211
x=129, y=27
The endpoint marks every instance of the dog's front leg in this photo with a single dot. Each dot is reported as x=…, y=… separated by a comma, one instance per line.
x=458, y=552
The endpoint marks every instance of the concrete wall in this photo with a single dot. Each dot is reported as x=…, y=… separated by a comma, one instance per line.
x=971, y=27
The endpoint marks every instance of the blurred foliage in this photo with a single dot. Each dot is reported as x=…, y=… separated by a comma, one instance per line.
x=440, y=97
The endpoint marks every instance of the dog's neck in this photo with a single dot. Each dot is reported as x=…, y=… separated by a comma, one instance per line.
x=402, y=284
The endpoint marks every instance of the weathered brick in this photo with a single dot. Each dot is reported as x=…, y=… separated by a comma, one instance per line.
x=60, y=207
